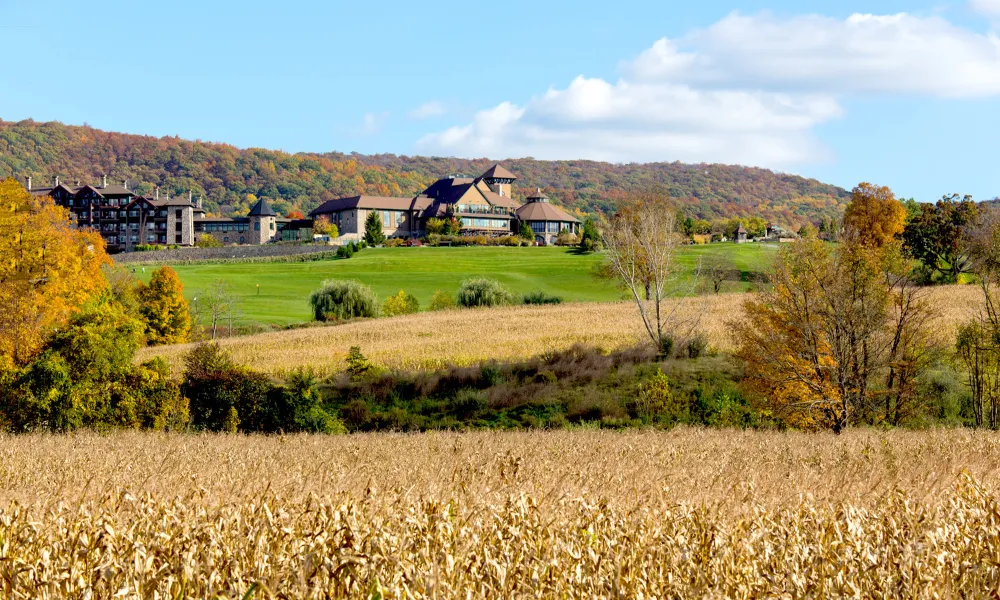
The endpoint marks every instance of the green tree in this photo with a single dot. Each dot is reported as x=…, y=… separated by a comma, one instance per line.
x=339, y=300
x=937, y=237
x=525, y=232
x=441, y=301
x=484, y=292
x=373, y=229
x=400, y=304
x=590, y=237
x=164, y=309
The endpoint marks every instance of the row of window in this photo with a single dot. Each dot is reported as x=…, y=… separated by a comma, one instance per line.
x=485, y=223
x=482, y=209
x=550, y=227
x=226, y=227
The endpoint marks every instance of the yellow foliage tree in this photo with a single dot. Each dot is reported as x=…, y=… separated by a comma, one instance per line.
x=874, y=217
x=48, y=269
x=164, y=309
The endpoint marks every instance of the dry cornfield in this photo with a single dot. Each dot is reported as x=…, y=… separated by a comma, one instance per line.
x=577, y=514
x=463, y=337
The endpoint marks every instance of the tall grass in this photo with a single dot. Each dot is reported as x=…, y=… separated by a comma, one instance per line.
x=689, y=513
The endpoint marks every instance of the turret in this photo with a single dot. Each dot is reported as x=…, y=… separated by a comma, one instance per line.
x=500, y=180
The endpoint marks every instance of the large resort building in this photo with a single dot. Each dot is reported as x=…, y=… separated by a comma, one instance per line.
x=484, y=205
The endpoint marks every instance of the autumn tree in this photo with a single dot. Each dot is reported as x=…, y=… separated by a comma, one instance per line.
x=842, y=335
x=874, y=217
x=207, y=240
x=163, y=308
x=718, y=268
x=323, y=226
x=48, y=270
x=295, y=214
x=641, y=243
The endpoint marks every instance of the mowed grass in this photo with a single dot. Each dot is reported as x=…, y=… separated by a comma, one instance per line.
x=576, y=514
x=284, y=288
x=473, y=336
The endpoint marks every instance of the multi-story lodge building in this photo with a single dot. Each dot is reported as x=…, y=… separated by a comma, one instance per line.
x=125, y=219
x=483, y=205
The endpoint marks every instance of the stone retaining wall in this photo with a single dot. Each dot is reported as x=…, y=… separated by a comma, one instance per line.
x=225, y=253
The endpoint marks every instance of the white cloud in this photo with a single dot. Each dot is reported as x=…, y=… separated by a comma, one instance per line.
x=748, y=89
x=428, y=110
x=372, y=123
x=986, y=7
x=863, y=53
x=639, y=122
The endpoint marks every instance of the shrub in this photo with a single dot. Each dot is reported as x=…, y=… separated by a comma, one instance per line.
x=566, y=238
x=400, y=304
x=540, y=297
x=525, y=232
x=484, y=292
x=207, y=240
x=358, y=365
x=434, y=226
x=697, y=345
x=441, y=301
x=345, y=251
x=339, y=300
x=395, y=242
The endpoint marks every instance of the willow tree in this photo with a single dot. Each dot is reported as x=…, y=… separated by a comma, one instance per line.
x=641, y=244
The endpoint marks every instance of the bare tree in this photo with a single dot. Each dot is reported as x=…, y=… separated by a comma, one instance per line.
x=718, y=269
x=641, y=244
x=219, y=303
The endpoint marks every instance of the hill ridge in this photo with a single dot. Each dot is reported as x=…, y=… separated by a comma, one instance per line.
x=231, y=179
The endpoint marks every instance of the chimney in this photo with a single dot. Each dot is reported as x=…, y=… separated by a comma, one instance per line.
x=125, y=184
x=199, y=202
x=57, y=181
x=156, y=195
x=189, y=196
x=29, y=184
x=105, y=181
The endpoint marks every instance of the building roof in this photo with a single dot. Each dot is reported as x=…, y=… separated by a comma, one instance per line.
x=372, y=202
x=740, y=229
x=114, y=190
x=262, y=209
x=498, y=172
x=543, y=211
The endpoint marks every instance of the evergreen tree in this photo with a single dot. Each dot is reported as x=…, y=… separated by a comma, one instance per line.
x=590, y=239
x=373, y=229
x=526, y=232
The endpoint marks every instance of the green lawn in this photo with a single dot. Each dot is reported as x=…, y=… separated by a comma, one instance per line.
x=285, y=287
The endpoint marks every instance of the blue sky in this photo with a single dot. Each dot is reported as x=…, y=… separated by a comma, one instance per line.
x=900, y=94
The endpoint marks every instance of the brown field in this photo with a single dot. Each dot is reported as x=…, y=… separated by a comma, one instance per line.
x=463, y=337
x=582, y=514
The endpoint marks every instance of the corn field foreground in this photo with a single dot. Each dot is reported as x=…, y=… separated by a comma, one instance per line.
x=585, y=514
x=463, y=337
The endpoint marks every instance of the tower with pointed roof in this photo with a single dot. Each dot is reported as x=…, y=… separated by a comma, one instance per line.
x=263, y=223
x=500, y=180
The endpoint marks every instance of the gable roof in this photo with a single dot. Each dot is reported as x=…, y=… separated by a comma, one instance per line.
x=262, y=209
x=498, y=172
x=371, y=202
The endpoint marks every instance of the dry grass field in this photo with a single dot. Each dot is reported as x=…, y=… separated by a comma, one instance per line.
x=584, y=514
x=462, y=337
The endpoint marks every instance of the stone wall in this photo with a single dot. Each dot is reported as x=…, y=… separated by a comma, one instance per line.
x=228, y=252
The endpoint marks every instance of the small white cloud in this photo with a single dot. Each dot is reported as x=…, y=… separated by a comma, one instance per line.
x=986, y=7
x=428, y=111
x=372, y=122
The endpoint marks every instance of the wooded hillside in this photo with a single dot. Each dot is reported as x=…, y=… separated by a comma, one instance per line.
x=231, y=179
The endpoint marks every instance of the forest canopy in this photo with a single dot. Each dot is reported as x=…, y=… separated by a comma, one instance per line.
x=231, y=179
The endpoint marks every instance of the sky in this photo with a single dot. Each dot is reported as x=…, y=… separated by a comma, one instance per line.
x=904, y=94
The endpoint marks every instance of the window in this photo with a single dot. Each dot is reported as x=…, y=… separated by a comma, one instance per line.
x=256, y=226
x=467, y=222
x=553, y=227
x=386, y=223
x=226, y=239
x=537, y=227
x=178, y=213
x=272, y=225
x=177, y=239
x=399, y=217
x=242, y=240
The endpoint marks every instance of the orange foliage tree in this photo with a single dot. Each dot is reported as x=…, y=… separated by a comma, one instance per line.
x=48, y=270
x=841, y=336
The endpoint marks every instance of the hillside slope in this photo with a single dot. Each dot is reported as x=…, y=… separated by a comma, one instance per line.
x=231, y=179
